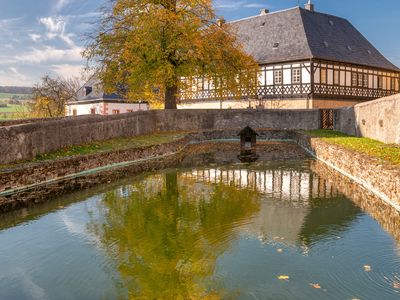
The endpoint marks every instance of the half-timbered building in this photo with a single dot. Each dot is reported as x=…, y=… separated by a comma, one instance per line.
x=307, y=59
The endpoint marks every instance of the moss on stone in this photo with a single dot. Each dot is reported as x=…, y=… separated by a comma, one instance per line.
x=105, y=146
x=385, y=152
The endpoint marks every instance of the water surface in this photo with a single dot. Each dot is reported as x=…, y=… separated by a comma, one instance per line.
x=222, y=231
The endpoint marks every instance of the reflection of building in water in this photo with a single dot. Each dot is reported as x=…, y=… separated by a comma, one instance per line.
x=285, y=184
x=294, y=209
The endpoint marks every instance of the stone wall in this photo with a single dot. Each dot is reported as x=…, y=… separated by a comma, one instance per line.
x=378, y=120
x=25, y=141
x=379, y=177
x=38, y=172
x=32, y=183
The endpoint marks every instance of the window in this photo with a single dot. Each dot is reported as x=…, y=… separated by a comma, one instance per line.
x=92, y=111
x=278, y=77
x=380, y=82
x=323, y=75
x=336, y=78
x=393, y=84
x=354, y=81
x=360, y=80
x=365, y=80
x=74, y=112
x=199, y=84
x=115, y=111
x=296, y=77
x=129, y=110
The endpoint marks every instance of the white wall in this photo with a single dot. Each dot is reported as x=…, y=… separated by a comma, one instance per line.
x=103, y=108
x=84, y=109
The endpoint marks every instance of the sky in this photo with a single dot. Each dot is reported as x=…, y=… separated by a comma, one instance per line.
x=39, y=37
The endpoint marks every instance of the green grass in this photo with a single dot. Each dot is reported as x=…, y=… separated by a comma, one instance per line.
x=387, y=153
x=112, y=145
x=104, y=146
x=12, y=108
x=8, y=96
x=11, y=111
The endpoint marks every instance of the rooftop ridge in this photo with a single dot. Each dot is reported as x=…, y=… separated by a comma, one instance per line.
x=285, y=10
x=270, y=13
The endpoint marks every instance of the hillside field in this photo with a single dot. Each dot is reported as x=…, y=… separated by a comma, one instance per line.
x=8, y=96
x=9, y=112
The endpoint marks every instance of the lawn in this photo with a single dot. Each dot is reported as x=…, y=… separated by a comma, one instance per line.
x=11, y=111
x=388, y=153
x=112, y=145
x=105, y=146
x=12, y=108
x=8, y=96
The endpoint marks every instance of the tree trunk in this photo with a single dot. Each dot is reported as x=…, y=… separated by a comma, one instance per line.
x=170, y=97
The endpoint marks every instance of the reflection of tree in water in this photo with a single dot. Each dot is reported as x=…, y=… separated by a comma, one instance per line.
x=327, y=217
x=166, y=239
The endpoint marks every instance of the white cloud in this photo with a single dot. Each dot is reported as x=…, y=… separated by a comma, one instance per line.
x=12, y=76
x=51, y=54
x=55, y=27
x=35, y=37
x=6, y=26
x=68, y=70
x=17, y=74
x=61, y=4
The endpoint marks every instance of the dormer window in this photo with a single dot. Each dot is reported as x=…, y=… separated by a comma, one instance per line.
x=276, y=45
x=88, y=90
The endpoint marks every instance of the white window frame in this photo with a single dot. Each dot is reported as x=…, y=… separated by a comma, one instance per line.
x=278, y=77
x=296, y=75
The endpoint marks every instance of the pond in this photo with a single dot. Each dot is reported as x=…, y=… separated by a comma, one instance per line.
x=265, y=230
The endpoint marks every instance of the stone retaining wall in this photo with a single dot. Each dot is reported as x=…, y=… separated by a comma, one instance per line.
x=378, y=120
x=380, y=178
x=25, y=141
x=53, y=178
x=33, y=173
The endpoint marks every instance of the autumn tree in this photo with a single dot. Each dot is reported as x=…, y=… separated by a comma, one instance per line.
x=166, y=237
x=50, y=96
x=145, y=47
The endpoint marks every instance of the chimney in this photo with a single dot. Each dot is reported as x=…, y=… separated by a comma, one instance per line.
x=264, y=12
x=221, y=21
x=88, y=90
x=309, y=6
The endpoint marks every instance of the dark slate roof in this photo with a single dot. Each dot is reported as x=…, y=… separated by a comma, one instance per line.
x=303, y=34
x=248, y=131
x=97, y=92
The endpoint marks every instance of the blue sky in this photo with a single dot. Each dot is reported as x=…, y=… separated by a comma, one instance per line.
x=40, y=37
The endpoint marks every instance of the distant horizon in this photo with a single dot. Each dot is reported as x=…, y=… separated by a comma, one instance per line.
x=47, y=36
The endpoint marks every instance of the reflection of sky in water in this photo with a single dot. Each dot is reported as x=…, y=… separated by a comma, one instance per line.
x=285, y=221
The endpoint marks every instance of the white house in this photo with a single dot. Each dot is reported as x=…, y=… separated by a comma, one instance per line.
x=92, y=100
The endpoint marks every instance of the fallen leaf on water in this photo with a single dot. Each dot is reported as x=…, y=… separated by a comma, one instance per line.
x=283, y=277
x=315, y=285
x=396, y=285
x=367, y=268
x=279, y=250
